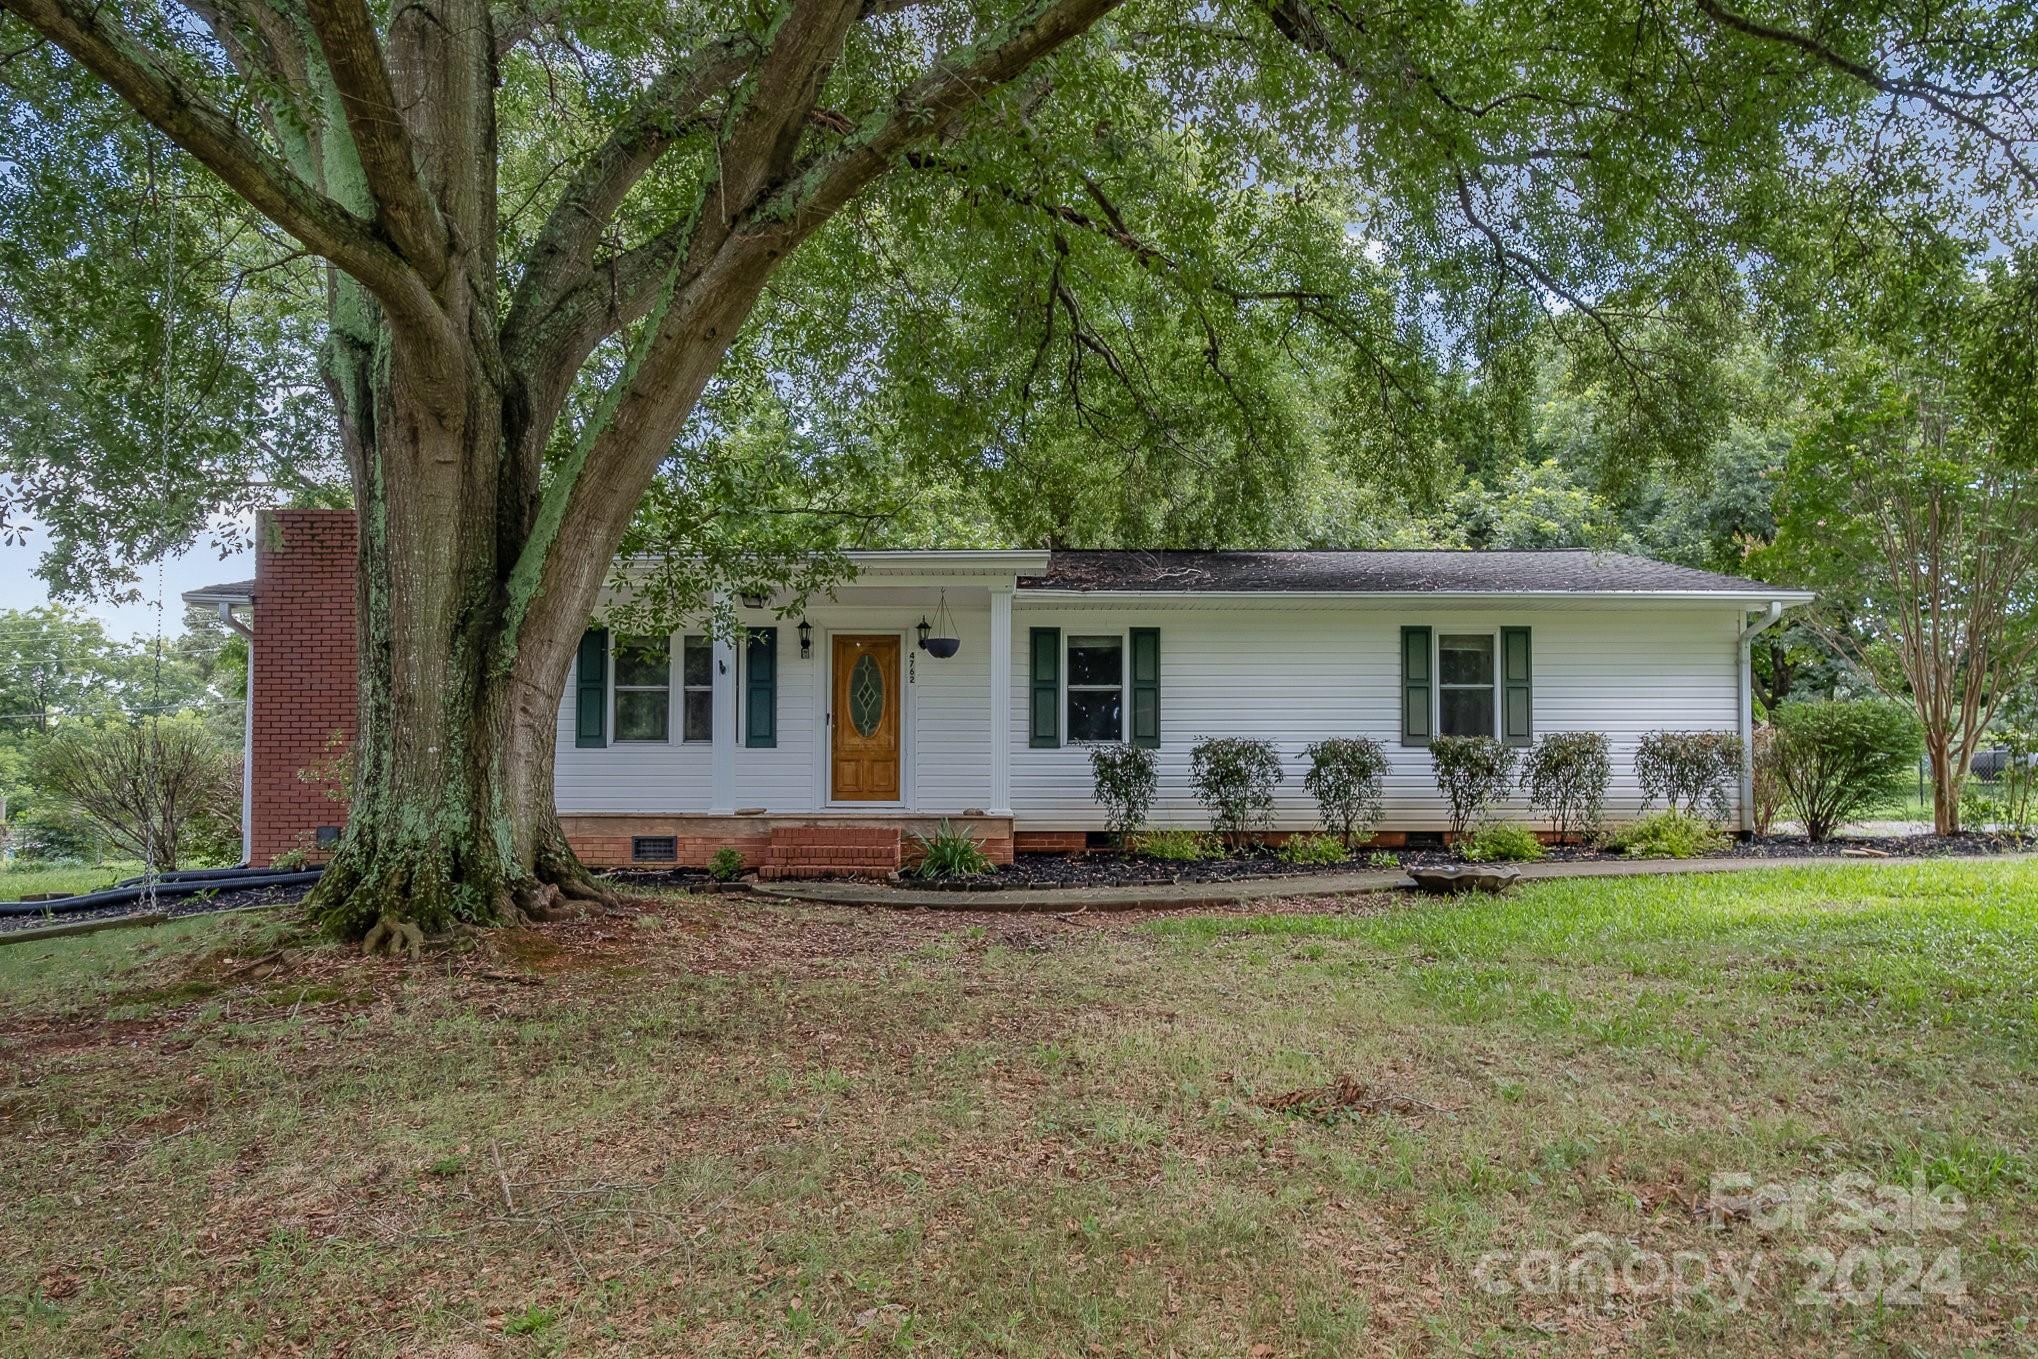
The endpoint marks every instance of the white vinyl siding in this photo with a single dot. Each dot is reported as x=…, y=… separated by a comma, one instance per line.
x=1295, y=671
x=1290, y=670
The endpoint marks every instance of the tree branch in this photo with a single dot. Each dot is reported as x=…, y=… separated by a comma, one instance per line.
x=921, y=111
x=404, y=207
x=141, y=78
x=562, y=254
x=1940, y=98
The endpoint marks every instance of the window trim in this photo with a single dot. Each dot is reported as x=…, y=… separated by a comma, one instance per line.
x=1123, y=636
x=1437, y=685
x=617, y=689
x=685, y=689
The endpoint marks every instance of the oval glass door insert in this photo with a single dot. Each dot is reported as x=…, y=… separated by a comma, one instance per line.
x=866, y=696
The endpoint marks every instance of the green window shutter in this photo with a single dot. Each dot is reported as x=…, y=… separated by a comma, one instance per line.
x=1146, y=686
x=1045, y=728
x=1415, y=686
x=591, y=690
x=760, y=689
x=1517, y=724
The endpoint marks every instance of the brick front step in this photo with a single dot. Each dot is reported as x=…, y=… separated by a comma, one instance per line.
x=832, y=852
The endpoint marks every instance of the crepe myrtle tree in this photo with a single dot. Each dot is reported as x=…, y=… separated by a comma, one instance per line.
x=542, y=229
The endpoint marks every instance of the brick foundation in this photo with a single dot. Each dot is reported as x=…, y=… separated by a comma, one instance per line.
x=304, y=659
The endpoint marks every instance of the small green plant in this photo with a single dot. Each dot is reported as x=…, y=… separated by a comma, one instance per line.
x=726, y=864
x=1667, y=835
x=533, y=1320
x=1473, y=773
x=1501, y=842
x=951, y=853
x=1124, y=779
x=1313, y=849
x=291, y=861
x=1346, y=775
x=1178, y=846
x=1235, y=778
x=1383, y=858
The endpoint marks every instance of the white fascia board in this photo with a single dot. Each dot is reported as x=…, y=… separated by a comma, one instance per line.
x=1788, y=598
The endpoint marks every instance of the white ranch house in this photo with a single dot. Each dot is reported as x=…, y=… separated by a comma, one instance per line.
x=826, y=728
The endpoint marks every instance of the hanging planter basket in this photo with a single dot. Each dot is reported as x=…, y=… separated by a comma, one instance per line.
x=938, y=639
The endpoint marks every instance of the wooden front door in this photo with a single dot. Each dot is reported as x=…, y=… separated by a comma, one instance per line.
x=864, y=745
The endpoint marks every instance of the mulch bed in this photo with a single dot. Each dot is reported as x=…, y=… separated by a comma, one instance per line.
x=198, y=903
x=1106, y=869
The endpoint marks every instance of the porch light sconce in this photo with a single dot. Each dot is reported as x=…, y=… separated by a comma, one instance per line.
x=943, y=641
x=806, y=639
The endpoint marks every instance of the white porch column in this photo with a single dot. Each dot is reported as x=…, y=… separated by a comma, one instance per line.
x=1001, y=701
x=722, y=792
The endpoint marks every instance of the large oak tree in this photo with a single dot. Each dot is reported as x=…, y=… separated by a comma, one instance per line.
x=548, y=232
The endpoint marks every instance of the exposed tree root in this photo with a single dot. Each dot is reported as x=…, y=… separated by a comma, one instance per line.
x=397, y=938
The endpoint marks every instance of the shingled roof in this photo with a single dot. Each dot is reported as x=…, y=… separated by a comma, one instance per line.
x=1565, y=571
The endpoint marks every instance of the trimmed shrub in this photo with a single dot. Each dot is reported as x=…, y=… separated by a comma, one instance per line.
x=1124, y=779
x=1837, y=762
x=725, y=864
x=1690, y=770
x=1499, y=842
x=1235, y=778
x=1667, y=835
x=1565, y=776
x=1473, y=773
x=1178, y=846
x=1346, y=775
x=1313, y=849
x=950, y=853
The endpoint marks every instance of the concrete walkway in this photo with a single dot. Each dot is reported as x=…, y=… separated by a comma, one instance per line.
x=1195, y=895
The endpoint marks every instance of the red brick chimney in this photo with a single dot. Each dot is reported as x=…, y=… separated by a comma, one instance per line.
x=304, y=678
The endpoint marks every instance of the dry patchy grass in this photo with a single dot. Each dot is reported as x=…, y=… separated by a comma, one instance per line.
x=722, y=1127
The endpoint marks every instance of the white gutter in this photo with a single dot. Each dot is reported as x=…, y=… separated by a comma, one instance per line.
x=1746, y=708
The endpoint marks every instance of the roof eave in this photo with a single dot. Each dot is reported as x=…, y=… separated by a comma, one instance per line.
x=1749, y=598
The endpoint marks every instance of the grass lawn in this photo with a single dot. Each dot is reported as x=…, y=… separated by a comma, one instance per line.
x=18, y=880
x=728, y=1128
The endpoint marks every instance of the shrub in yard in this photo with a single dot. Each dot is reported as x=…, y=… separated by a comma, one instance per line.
x=950, y=853
x=1565, y=776
x=1313, y=849
x=2009, y=802
x=1124, y=778
x=1500, y=842
x=1383, y=858
x=1768, y=791
x=1177, y=846
x=1667, y=835
x=725, y=864
x=1345, y=777
x=1235, y=778
x=1473, y=773
x=1837, y=762
x=1690, y=770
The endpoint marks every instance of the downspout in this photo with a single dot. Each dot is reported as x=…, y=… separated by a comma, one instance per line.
x=1746, y=676
x=226, y=616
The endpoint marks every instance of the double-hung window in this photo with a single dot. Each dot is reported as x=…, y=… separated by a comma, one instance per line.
x=643, y=688
x=1096, y=688
x=697, y=676
x=1465, y=684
